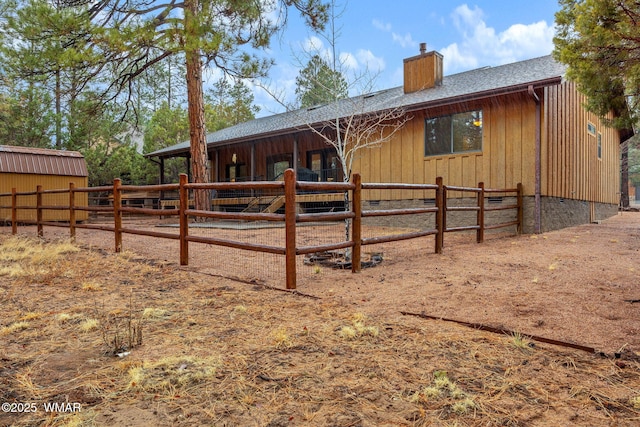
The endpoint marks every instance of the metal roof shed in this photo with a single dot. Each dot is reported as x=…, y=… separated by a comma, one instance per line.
x=24, y=168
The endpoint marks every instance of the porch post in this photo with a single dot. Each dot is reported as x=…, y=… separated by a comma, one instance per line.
x=295, y=156
x=216, y=167
x=253, y=162
x=161, y=179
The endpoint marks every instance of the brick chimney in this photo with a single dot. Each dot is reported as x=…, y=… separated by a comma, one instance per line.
x=423, y=71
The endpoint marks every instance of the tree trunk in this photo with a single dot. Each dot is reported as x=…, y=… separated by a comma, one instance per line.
x=195, y=100
x=58, y=95
x=624, y=172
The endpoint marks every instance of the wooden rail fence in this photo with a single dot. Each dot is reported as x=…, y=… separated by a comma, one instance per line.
x=290, y=188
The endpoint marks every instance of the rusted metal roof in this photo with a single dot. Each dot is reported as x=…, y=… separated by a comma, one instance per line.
x=41, y=161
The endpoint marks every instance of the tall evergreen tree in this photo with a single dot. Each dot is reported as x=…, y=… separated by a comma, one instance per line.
x=127, y=37
x=229, y=105
x=600, y=42
x=318, y=83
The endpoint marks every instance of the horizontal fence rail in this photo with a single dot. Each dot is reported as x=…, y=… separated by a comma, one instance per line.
x=284, y=197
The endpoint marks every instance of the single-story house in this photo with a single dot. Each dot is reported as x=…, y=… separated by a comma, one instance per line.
x=24, y=168
x=515, y=123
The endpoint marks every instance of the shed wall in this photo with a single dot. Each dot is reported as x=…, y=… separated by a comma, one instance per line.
x=29, y=182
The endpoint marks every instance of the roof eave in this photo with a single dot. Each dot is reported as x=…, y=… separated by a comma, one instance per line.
x=523, y=87
x=477, y=96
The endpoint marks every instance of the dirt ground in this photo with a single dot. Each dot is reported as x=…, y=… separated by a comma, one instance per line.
x=222, y=344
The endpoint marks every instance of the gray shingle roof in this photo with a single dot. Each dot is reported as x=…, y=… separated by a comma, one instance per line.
x=469, y=85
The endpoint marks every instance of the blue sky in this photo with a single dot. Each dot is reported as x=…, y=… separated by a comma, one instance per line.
x=378, y=35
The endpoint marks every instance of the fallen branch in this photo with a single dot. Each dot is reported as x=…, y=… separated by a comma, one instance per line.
x=505, y=332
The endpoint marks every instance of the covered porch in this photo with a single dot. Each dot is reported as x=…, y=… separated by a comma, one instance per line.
x=263, y=159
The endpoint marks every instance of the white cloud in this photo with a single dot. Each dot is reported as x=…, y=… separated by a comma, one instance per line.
x=455, y=60
x=313, y=44
x=369, y=61
x=404, y=41
x=382, y=26
x=483, y=45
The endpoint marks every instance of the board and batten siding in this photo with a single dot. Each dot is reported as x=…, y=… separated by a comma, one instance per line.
x=506, y=158
x=24, y=182
x=571, y=168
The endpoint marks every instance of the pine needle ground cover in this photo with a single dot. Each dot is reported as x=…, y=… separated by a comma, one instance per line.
x=126, y=340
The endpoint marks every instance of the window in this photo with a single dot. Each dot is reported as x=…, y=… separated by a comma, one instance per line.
x=325, y=163
x=599, y=145
x=236, y=172
x=277, y=164
x=591, y=128
x=457, y=133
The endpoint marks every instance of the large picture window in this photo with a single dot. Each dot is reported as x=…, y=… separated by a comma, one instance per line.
x=457, y=133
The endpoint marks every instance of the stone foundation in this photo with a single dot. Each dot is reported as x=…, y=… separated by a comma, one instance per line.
x=427, y=221
x=555, y=213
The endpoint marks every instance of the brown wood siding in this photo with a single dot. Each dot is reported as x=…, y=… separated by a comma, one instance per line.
x=29, y=182
x=574, y=170
x=265, y=148
x=507, y=156
x=423, y=71
x=569, y=164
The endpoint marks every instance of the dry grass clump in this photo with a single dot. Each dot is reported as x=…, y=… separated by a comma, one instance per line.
x=168, y=374
x=154, y=313
x=281, y=338
x=22, y=256
x=32, y=315
x=91, y=286
x=13, y=270
x=14, y=327
x=444, y=392
x=69, y=318
x=520, y=341
x=20, y=248
x=89, y=325
x=358, y=328
x=239, y=309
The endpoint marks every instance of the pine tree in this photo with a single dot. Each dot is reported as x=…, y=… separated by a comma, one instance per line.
x=600, y=42
x=318, y=84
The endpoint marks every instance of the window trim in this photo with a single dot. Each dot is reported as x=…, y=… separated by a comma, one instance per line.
x=452, y=140
x=273, y=159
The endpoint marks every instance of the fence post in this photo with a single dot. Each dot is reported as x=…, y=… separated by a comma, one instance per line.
x=439, y=215
x=117, y=213
x=14, y=211
x=72, y=211
x=184, y=220
x=480, y=231
x=444, y=212
x=356, y=224
x=39, y=210
x=290, y=226
x=520, y=209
